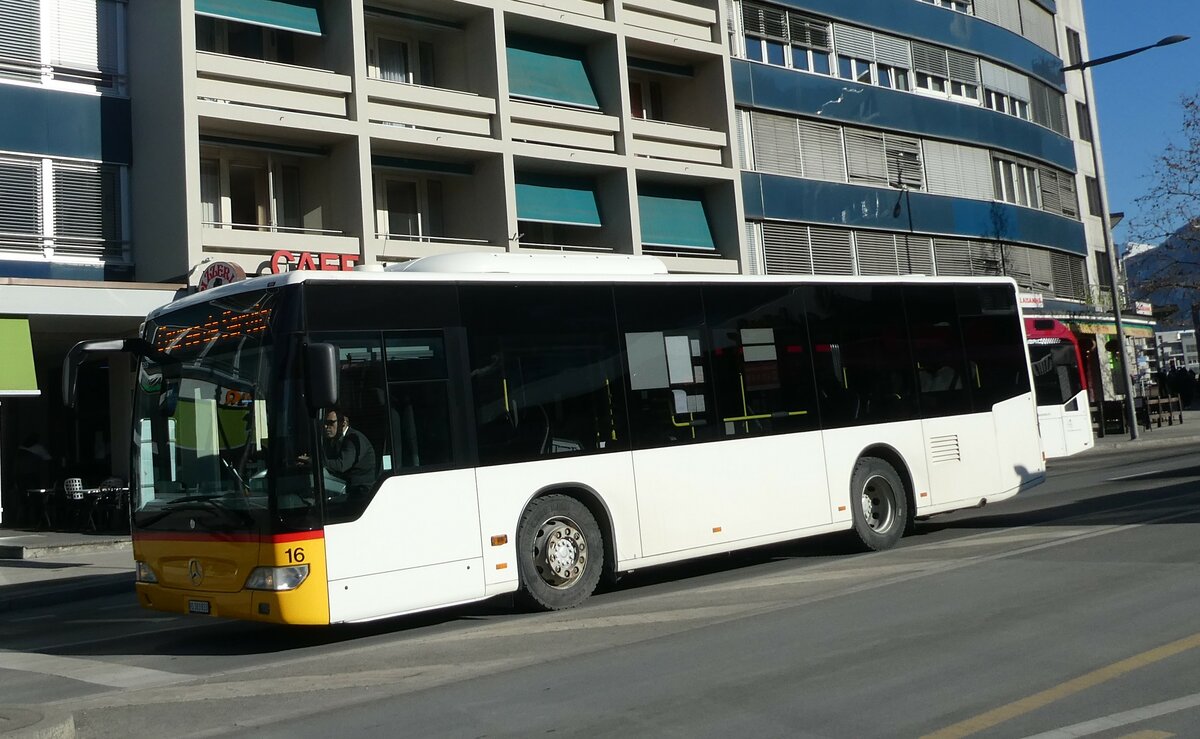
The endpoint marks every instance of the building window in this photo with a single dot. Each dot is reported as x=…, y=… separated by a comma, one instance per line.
x=1084, y=120
x=645, y=99
x=398, y=59
x=1093, y=196
x=245, y=190
x=786, y=39
x=858, y=70
x=244, y=40
x=1074, y=47
x=1015, y=182
x=958, y=6
x=408, y=207
x=1009, y=104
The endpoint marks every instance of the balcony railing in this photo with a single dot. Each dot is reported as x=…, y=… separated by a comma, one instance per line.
x=671, y=18
x=262, y=84
x=431, y=108
x=249, y=238
x=675, y=141
x=558, y=126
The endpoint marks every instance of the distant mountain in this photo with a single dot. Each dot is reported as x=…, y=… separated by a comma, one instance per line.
x=1167, y=274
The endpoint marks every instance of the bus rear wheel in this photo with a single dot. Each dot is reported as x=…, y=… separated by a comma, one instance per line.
x=878, y=504
x=560, y=553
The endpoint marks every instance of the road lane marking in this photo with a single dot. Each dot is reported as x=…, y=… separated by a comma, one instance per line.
x=93, y=671
x=1130, y=477
x=1124, y=718
x=997, y=716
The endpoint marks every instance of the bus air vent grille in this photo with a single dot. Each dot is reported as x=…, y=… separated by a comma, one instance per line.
x=944, y=448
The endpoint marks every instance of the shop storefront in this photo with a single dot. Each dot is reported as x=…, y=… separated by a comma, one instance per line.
x=43, y=443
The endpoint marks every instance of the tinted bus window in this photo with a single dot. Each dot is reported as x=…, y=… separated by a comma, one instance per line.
x=419, y=414
x=760, y=358
x=670, y=397
x=991, y=326
x=353, y=434
x=943, y=375
x=331, y=307
x=545, y=370
x=861, y=357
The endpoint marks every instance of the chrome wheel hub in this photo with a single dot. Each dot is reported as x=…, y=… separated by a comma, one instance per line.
x=560, y=552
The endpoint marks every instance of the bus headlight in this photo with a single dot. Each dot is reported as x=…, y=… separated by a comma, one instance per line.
x=277, y=578
x=144, y=573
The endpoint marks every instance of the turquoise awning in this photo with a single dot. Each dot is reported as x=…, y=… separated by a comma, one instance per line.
x=17, y=375
x=549, y=71
x=674, y=217
x=551, y=199
x=299, y=16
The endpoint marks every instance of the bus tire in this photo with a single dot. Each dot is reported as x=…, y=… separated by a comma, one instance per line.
x=560, y=553
x=878, y=504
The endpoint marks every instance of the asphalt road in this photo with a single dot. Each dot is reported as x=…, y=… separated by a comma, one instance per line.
x=1070, y=610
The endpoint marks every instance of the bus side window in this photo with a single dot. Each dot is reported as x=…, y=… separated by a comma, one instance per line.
x=943, y=376
x=545, y=371
x=862, y=356
x=670, y=395
x=419, y=425
x=761, y=360
x=991, y=326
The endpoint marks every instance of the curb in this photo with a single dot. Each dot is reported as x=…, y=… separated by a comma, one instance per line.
x=34, y=595
x=26, y=722
x=18, y=551
x=1129, y=444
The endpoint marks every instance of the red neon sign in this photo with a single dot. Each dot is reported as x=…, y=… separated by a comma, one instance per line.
x=286, y=261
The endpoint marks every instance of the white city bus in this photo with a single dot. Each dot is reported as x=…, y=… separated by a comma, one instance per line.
x=533, y=431
x=1060, y=388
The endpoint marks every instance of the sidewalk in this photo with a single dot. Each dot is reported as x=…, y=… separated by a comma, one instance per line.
x=41, y=568
x=1182, y=434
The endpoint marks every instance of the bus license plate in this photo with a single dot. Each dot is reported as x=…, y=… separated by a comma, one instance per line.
x=199, y=606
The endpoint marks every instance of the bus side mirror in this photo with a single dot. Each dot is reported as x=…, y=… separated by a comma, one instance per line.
x=322, y=387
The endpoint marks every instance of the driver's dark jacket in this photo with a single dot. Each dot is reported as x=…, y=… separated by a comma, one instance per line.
x=352, y=458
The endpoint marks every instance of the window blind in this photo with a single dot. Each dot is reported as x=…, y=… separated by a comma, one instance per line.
x=831, y=251
x=776, y=144
x=20, y=197
x=821, y=151
x=876, y=253
x=866, y=161
x=786, y=249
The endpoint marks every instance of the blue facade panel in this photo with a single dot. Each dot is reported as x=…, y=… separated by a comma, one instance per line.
x=768, y=87
x=855, y=206
x=946, y=28
x=54, y=123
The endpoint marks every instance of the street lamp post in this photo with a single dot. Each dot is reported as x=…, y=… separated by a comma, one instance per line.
x=1110, y=249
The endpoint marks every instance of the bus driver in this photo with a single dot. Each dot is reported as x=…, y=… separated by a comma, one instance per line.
x=348, y=454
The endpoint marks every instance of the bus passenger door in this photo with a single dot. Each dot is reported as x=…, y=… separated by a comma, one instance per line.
x=410, y=541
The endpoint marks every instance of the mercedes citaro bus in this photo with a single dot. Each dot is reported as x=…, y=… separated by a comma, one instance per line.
x=536, y=422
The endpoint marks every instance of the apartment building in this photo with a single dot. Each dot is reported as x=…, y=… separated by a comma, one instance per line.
x=724, y=136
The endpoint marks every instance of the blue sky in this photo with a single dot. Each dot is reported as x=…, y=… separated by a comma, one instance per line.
x=1137, y=98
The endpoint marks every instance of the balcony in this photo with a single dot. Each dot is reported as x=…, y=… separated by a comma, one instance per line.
x=677, y=142
x=566, y=127
x=265, y=241
x=588, y=8
x=429, y=108
x=253, y=83
x=668, y=21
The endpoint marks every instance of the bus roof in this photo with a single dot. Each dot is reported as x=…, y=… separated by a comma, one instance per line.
x=465, y=267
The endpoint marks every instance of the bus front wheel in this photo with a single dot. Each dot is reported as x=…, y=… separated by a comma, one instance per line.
x=878, y=504
x=560, y=553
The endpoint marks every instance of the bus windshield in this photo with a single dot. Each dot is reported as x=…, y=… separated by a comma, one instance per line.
x=202, y=431
x=1056, y=373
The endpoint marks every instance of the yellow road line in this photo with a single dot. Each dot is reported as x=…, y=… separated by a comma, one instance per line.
x=1031, y=703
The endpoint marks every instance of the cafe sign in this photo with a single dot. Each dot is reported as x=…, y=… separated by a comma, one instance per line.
x=287, y=261
x=220, y=273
